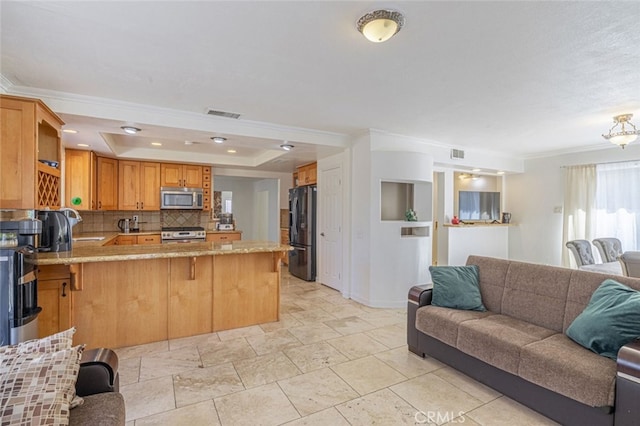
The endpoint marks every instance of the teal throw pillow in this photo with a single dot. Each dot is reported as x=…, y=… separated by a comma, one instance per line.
x=456, y=287
x=610, y=320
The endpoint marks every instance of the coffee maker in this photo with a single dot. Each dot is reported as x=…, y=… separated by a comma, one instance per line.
x=25, y=232
x=56, y=231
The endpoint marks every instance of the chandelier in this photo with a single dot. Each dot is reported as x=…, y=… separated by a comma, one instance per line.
x=622, y=135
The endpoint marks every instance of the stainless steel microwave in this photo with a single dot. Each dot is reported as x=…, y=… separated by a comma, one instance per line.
x=181, y=198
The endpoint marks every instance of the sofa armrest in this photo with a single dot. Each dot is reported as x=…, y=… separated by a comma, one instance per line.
x=628, y=384
x=419, y=295
x=98, y=372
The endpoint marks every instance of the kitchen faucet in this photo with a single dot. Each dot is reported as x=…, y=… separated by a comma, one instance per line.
x=76, y=216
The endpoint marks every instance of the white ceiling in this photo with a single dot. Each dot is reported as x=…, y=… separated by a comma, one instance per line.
x=520, y=78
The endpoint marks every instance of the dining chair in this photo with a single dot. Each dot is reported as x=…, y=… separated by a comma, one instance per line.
x=630, y=261
x=581, y=250
x=609, y=248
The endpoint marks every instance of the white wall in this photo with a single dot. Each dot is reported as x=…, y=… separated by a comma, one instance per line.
x=272, y=210
x=533, y=195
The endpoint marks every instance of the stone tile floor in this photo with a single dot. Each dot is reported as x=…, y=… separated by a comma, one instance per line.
x=328, y=361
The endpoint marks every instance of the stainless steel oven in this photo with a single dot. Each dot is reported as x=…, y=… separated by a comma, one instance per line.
x=195, y=234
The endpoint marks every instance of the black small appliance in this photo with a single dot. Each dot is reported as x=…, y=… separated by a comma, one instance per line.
x=56, y=231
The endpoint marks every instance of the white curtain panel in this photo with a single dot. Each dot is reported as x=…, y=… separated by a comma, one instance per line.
x=579, y=207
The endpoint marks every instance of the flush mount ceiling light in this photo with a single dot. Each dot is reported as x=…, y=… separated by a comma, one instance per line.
x=380, y=25
x=130, y=130
x=218, y=139
x=287, y=146
x=622, y=136
x=156, y=143
x=72, y=131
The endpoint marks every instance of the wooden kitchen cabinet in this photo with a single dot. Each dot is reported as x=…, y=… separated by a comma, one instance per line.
x=30, y=132
x=126, y=240
x=138, y=185
x=148, y=239
x=224, y=236
x=307, y=174
x=180, y=175
x=107, y=183
x=190, y=296
x=284, y=239
x=207, y=188
x=54, y=297
x=80, y=179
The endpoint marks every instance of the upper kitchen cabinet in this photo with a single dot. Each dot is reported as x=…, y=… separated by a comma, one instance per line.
x=107, y=183
x=29, y=132
x=181, y=175
x=139, y=185
x=80, y=179
x=307, y=174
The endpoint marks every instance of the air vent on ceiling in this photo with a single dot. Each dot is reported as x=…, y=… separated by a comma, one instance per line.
x=457, y=154
x=222, y=113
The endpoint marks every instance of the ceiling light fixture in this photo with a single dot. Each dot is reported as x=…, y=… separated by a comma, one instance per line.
x=231, y=151
x=84, y=145
x=380, y=25
x=287, y=146
x=218, y=139
x=70, y=131
x=622, y=137
x=500, y=172
x=130, y=130
x=156, y=144
x=188, y=143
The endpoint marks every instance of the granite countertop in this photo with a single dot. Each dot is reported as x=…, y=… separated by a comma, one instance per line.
x=94, y=251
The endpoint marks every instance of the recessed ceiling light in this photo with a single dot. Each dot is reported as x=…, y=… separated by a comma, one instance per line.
x=500, y=172
x=156, y=144
x=84, y=145
x=475, y=170
x=231, y=151
x=130, y=130
x=188, y=143
x=218, y=139
x=70, y=131
x=287, y=146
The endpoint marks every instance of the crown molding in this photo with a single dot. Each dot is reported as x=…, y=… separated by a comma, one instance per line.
x=5, y=84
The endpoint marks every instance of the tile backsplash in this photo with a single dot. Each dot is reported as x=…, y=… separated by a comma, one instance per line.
x=107, y=221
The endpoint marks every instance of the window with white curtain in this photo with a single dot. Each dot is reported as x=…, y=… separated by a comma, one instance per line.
x=617, y=206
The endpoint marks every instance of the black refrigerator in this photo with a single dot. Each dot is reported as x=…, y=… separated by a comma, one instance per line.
x=302, y=232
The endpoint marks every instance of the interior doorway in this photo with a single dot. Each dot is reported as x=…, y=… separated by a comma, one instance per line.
x=330, y=228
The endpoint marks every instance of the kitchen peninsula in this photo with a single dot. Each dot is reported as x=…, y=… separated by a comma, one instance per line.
x=129, y=295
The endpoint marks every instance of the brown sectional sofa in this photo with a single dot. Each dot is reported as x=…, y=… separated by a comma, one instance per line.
x=519, y=348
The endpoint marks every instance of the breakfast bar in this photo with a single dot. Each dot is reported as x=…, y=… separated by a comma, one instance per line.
x=130, y=295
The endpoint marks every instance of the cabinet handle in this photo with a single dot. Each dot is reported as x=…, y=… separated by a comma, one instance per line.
x=137, y=205
x=99, y=204
x=64, y=286
x=192, y=275
x=142, y=205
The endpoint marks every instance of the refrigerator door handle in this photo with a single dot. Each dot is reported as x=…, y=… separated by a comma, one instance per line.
x=300, y=248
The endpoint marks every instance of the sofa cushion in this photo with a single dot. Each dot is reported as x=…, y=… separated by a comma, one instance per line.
x=610, y=320
x=103, y=409
x=456, y=287
x=53, y=343
x=37, y=388
x=498, y=340
x=536, y=294
x=561, y=365
x=442, y=323
x=491, y=277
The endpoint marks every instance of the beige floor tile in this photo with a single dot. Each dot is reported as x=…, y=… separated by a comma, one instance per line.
x=467, y=384
x=146, y=398
x=408, y=363
x=200, y=414
x=253, y=330
x=390, y=336
x=168, y=363
x=357, y=345
x=286, y=321
x=315, y=391
x=192, y=341
x=313, y=293
x=265, y=369
x=128, y=370
x=358, y=374
x=431, y=394
x=265, y=405
x=349, y=325
x=328, y=417
x=313, y=303
x=315, y=356
x=506, y=412
x=290, y=308
x=221, y=352
x=140, y=350
x=275, y=341
x=336, y=299
x=380, y=319
x=201, y=384
x=380, y=408
x=313, y=315
x=311, y=333
x=343, y=310
x=462, y=420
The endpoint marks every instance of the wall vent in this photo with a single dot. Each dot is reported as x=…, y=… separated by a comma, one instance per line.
x=222, y=113
x=457, y=154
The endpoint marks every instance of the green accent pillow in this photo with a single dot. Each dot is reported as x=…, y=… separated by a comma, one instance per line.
x=610, y=320
x=456, y=287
